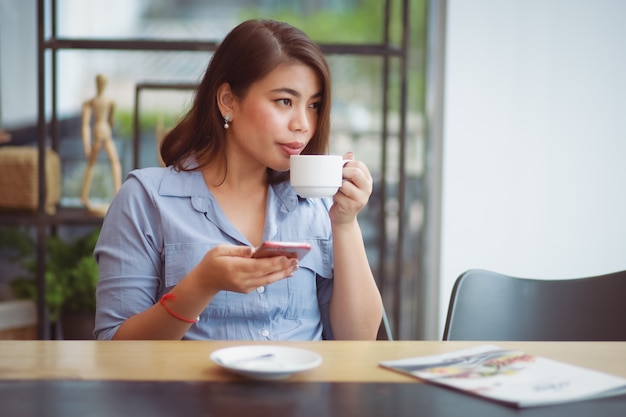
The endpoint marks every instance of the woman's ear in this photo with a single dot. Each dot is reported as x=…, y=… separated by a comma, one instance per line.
x=225, y=99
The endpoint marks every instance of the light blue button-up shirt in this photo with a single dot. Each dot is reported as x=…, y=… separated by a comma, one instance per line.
x=160, y=225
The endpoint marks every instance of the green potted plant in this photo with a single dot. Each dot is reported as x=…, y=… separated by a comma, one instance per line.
x=71, y=275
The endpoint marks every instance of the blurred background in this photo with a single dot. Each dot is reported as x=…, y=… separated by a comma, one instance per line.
x=494, y=130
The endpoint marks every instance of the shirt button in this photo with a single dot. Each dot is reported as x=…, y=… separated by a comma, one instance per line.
x=265, y=333
x=260, y=290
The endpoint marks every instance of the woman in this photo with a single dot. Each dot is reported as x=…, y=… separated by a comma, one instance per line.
x=175, y=249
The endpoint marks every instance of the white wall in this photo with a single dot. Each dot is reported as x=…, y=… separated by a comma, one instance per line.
x=534, y=169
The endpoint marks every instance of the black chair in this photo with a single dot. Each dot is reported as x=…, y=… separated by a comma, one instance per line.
x=384, y=331
x=486, y=305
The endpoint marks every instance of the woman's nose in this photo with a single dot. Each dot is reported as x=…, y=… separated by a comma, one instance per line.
x=300, y=121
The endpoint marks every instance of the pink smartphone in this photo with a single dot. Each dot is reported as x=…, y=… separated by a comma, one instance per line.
x=289, y=249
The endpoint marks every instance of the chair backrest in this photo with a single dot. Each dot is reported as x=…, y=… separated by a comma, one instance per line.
x=486, y=305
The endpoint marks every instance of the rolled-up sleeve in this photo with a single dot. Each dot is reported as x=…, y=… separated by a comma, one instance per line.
x=129, y=258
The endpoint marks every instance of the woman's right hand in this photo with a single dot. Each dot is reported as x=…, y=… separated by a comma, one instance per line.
x=231, y=268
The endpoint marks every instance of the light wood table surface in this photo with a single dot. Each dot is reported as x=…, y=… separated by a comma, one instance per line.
x=343, y=361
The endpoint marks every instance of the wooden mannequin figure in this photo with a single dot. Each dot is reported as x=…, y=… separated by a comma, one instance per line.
x=102, y=109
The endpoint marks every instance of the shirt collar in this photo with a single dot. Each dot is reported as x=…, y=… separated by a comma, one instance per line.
x=191, y=184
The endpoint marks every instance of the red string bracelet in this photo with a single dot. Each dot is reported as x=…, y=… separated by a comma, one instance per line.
x=170, y=296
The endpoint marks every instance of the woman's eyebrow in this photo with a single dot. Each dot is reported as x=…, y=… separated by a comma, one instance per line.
x=294, y=93
x=287, y=90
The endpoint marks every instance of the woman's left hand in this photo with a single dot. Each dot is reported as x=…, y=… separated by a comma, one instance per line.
x=354, y=193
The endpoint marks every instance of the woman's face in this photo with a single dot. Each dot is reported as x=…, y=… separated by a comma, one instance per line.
x=277, y=117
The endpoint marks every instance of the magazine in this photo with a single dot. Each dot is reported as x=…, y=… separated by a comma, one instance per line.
x=510, y=376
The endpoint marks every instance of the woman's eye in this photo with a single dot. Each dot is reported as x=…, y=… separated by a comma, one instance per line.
x=315, y=105
x=285, y=101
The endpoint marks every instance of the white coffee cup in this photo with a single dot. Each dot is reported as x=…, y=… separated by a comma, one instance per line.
x=316, y=176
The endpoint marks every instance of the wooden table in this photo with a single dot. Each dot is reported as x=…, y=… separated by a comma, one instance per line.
x=169, y=378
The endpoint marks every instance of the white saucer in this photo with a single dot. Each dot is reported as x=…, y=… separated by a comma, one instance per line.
x=266, y=361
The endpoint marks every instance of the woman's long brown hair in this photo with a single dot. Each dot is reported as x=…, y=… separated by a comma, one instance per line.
x=247, y=54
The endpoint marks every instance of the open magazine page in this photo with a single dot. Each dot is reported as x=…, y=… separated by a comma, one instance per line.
x=510, y=376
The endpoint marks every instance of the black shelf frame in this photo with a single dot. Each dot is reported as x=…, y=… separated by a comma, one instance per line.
x=65, y=216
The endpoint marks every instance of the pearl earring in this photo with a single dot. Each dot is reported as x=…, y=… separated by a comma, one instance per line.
x=226, y=121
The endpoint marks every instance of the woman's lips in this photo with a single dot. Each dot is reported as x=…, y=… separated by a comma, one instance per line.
x=292, y=148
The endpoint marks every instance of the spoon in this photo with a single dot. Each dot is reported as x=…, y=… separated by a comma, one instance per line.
x=248, y=359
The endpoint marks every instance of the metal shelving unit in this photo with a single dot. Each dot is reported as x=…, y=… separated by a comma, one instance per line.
x=389, y=270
